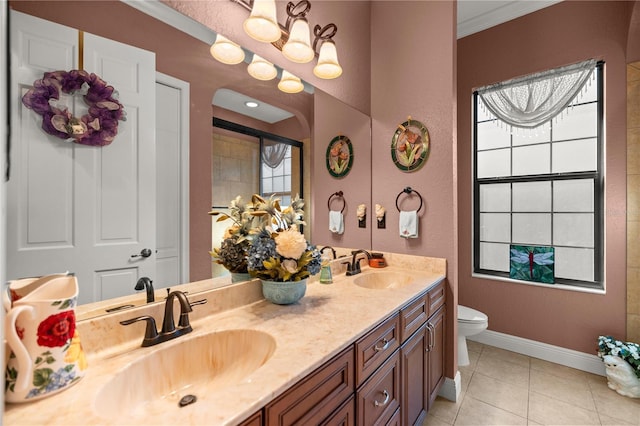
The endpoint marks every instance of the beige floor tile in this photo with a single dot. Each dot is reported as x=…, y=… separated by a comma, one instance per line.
x=559, y=370
x=432, y=420
x=505, y=371
x=476, y=413
x=612, y=405
x=570, y=390
x=610, y=421
x=445, y=410
x=475, y=346
x=490, y=351
x=547, y=410
x=500, y=394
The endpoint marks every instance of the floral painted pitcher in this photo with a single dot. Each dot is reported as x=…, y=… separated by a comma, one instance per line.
x=40, y=329
x=17, y=289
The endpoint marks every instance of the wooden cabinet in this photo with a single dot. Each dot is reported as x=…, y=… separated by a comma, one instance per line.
x=388, y=377
x=436, y=328
x=422, y=355
x=379, y=397
x=316, y=397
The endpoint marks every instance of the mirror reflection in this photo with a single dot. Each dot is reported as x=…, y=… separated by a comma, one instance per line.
x=183, y=81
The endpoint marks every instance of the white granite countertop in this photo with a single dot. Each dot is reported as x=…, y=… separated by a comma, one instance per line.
x=306, y=335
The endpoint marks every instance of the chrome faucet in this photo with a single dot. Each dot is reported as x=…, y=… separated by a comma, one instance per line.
x=353, y=268
x=169, y=330
x=146, y=283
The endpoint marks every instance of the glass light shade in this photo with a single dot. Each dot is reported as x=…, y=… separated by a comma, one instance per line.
x=289, y=83
x=226, y=51
x=261, y=69
x=262, y=24
x=328, y=66
x=298, y=47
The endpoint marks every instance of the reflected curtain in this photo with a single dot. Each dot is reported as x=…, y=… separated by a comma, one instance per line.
x=530, y=101
x=274, y=153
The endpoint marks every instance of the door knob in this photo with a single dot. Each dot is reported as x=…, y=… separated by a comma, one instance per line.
x=145, y=252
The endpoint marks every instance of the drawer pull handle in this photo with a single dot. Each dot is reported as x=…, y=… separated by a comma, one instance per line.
x=385, y=345
x=383, y=403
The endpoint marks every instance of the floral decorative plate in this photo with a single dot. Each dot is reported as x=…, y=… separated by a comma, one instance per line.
x=410, y=145
x=339, y=156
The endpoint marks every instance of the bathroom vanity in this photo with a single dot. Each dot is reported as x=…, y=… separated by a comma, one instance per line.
x=353, y=351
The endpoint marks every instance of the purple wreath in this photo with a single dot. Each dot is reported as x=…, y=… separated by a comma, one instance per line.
x=96, y=128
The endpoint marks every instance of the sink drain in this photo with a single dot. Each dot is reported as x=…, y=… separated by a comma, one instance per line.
x=186, y=400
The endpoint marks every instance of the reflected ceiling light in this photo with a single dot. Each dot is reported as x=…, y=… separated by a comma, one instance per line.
x=289, y=83
x=262, y=23
x=251, y=104
x=226, y=51
x=328, y=66
x=261, y=69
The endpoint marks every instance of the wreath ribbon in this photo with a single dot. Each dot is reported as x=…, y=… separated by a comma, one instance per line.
x=98, y=127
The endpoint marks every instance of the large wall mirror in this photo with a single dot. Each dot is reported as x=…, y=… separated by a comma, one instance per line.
x=183, y=69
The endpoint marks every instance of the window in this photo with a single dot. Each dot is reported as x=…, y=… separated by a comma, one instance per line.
x=542, y=188
x=276, y=171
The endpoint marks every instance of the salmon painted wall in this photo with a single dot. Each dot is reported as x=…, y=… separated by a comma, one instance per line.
x=558, y=35
x=340, y=119
x=413, y=68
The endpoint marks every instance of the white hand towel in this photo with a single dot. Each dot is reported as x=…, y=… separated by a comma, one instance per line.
x=409, y=224
x=336, y=222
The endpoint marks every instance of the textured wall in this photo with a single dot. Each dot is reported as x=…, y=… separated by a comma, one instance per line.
x=558, y=35
x=633, y=202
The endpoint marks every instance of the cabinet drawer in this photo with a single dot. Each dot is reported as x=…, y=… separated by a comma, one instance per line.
x=374, y=348
x=255, y=420
x=436, y=297
x=344, y=416
x=317, y=396
x=413, y=316
x=379, y=398
x=395, y=420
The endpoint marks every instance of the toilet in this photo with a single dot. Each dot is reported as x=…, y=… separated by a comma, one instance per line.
x=470, y=322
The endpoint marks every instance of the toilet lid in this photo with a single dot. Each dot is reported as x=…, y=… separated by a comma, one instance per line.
x=466, y=314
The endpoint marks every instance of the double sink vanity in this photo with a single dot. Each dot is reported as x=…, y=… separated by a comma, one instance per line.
x=367, y=349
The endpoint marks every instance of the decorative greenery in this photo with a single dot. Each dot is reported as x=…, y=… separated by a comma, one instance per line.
x=265, y=240
x=98, y=127
x=628, y=351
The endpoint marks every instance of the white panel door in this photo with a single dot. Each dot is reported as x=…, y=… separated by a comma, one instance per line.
x=172, y=181
x=80, y=208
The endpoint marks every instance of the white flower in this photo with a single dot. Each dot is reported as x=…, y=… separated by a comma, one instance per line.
x=290, y=244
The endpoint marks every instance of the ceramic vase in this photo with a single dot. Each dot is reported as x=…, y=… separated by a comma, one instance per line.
x=237, y=277
x=40, y=328
x=283, y=293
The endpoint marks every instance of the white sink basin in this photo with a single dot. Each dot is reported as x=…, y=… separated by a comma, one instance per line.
x=384, y=279
x=157, y=382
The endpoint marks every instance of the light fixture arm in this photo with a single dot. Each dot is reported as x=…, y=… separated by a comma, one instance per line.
x=324, y=33
x=297, y=11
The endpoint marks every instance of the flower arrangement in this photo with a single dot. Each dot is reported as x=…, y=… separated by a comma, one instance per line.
x=265, y=240
x=98, y=127
x=628, y=351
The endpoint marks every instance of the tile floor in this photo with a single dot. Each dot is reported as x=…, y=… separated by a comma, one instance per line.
x=505, y=388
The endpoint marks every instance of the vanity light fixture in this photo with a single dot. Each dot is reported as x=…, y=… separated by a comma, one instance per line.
x=298, y=46
x=262, y=24
x=328, y=66
x=295, y=39
x=261, y=69
x=226, y=51
x=289, y=83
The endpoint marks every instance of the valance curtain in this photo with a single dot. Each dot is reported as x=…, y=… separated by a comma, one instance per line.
x=274, y=153
x=530, y=101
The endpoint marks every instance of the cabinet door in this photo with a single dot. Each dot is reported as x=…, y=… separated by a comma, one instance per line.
x=255, y=420
x=344, y=416
x=379, y=397
x=414, y=378
x=436, y=346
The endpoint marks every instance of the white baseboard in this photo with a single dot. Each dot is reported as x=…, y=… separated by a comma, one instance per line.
x=551, y=353
x=451, y=388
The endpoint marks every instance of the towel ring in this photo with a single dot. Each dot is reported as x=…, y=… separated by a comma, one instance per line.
x=337, y=194
x=408, y=190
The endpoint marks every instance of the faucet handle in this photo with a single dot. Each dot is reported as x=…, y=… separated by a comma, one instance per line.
x=151, y=332
x=184, y=316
